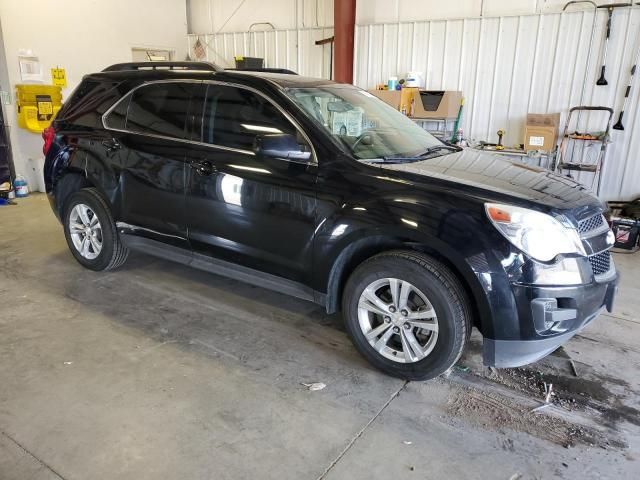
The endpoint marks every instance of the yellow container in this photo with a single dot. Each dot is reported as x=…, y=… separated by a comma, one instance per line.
x=37, y=105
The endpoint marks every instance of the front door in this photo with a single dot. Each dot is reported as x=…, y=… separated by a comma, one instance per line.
x=244, y=207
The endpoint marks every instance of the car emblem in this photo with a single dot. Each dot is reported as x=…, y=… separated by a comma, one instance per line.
x=611, y=238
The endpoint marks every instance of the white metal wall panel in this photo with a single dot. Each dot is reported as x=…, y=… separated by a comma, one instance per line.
x=508, y=66
x=279, y=48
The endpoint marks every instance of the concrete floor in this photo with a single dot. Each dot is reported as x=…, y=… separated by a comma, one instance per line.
x=159, y=371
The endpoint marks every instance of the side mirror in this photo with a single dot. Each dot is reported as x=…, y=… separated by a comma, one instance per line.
x=283, y=146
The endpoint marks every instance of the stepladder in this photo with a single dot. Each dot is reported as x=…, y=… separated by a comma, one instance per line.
x=583, y=151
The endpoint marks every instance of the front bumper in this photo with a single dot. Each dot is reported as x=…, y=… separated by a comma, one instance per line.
x=553, y=315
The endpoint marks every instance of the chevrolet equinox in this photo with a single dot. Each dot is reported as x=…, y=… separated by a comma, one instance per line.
x=320, y=190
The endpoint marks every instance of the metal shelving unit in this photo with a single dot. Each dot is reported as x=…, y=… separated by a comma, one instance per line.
x=7, y=170
x=444, y=133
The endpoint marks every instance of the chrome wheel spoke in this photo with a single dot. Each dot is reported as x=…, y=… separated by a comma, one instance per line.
x=405, y=290
x=371, y=296
x=83, y=214
x=94, y=221
x=95, y=245
x=76, y=228
x=367, y=305
x=84, y=249
x=394, y=287
x=425, y=324
x=421, y=314
x=382, y=341
x=411, y=347
x=376, y=332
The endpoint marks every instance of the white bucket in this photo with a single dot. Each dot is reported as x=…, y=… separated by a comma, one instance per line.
x=414, y=79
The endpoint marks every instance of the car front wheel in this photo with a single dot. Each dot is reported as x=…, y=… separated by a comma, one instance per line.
x=407, y=313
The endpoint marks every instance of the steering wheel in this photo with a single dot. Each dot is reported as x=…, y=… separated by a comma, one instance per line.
x=362, y=136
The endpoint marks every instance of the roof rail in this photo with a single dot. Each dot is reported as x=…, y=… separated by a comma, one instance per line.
x=120, y=67
x=263, y=69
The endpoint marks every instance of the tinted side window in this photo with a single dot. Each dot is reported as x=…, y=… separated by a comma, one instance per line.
x=159, y=109
x=88, y=103
x=234, y=116
x=118, y=116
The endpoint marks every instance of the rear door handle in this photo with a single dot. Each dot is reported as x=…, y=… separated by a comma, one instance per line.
x=203, y=167
x=111, y=145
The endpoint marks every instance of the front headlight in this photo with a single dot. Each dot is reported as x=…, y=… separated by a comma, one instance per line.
x=537, y=234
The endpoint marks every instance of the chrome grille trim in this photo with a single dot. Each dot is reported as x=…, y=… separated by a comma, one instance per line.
x=600, y=262
x=591, y=223
x=592, y=226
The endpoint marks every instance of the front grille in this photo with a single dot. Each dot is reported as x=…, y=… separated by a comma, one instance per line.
x=600, y=262
x=591, y=223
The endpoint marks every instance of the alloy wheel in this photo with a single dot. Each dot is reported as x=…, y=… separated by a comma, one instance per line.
x=85, y=231
x=398, y=320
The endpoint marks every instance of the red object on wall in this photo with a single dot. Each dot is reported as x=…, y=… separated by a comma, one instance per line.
x=344, y=18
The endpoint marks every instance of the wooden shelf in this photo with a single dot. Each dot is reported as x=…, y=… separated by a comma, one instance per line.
x=585, y=137
x=579, y=167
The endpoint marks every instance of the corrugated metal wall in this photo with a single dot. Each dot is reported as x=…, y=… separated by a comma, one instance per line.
x=292, y=49
x=506, y=67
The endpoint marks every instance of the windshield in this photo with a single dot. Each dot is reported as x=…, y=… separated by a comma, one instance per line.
x=366, y=126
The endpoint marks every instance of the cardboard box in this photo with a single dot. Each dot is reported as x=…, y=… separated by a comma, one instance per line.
x=398, y=99
x=437, y=104
x=541, y=131
x=422, y=104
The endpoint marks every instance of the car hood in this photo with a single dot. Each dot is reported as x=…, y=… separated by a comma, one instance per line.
x=492, y=177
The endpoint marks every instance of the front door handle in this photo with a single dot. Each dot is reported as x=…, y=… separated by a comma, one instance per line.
x=203, y=168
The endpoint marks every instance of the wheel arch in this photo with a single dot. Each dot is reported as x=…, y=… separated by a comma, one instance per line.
x=81, y=170
x=67, y=184
x=364, y=248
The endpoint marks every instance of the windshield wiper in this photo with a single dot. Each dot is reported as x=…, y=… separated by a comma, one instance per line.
x=426, y=153
x=437, y=148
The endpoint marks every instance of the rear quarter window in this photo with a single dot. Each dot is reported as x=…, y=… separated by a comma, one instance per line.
x=159, y=109
x=89, y=101
x=117, y=117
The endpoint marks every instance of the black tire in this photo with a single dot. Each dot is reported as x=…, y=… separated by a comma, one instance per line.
x=446, y=295
x=112, y=254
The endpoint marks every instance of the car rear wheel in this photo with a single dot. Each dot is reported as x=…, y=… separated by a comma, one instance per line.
x=91, y=232
x=407, y=313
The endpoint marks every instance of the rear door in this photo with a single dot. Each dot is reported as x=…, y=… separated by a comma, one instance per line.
x=243, y=207
x=149, y=135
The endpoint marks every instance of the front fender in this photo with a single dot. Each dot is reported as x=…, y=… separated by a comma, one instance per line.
x=458, y=235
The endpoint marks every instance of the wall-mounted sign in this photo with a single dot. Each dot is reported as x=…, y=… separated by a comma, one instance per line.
x=30, y=70
x=59, y=77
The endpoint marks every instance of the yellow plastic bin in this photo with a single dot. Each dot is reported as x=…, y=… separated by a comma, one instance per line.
x=37, y=105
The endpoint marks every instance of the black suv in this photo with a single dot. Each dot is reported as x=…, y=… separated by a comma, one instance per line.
x=321, y=191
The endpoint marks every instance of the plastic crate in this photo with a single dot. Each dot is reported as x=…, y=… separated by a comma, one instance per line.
x=626, y=231
x=248, y=62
